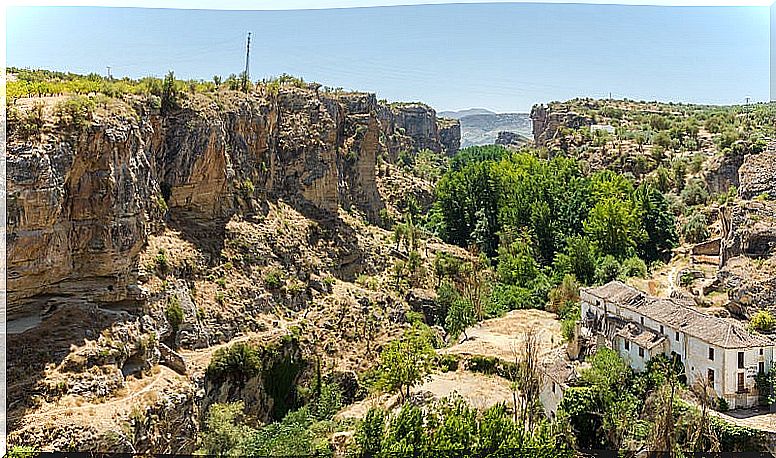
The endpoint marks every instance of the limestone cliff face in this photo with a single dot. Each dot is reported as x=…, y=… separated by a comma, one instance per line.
x=415, y=126
x=78, y=213
x=81, y=206
x=547, y=120
x=450, y=135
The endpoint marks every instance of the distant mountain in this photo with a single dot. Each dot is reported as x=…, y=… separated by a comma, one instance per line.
x=481, y=127
x=461, y=113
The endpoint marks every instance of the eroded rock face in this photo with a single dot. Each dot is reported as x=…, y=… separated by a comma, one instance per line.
x=78, y=214
x=547, y=121
x=80, y=208
x=721, y=173
x=450, y=135
x=757, y=175
x=749, y=229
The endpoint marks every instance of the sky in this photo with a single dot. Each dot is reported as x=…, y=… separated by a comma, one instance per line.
x=500, y=56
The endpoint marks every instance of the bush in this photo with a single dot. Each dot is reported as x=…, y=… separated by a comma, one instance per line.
x=273, y=278
x=722, y=405
x=447, y=363
x=762, y=321
x=174, y=313
x=224, y=432
x=694, y=193
x=608, y=269
x=633, y=267
x=570, y=318
x=161, y=262
x=239, y=361
x=696, y=228
x=75, y=112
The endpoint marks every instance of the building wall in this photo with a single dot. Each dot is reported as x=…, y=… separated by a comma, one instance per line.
x=697, y=363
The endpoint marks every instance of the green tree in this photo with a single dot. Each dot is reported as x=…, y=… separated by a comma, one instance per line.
x=614, y=226
x=225, y=434
x=169, y=92
x=762, y=321
x=577, y=259
x=657, y=222
x=370, y=432
x=460, y=316
x=406, y=362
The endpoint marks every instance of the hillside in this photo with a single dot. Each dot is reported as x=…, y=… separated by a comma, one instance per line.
x=298, y=270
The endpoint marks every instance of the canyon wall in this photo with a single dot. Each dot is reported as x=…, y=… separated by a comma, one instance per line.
x=81, y=204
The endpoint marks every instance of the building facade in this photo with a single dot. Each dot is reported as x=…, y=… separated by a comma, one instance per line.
x=640, y=327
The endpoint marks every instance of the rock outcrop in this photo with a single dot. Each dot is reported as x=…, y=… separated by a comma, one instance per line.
x=81, y=207
x=757, y=175
x=721, y=172
x=512, y=139
x=546, y=121
x=450, y=135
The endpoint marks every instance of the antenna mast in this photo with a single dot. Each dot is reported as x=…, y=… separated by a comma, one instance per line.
x=247, y=60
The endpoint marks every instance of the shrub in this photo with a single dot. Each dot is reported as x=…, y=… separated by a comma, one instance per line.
x=570, y=318
x=21, y=451
x=368, y=282
x=273, y=278
x=607, y=270
x=224, y=431
x=75, y=111
x=694, y=193
x=161, y=262
x=722, y=405
x=174, y=313
x=448, y=363
x=239, y=361
x=762, y=321
x=633, y=267
x=696, y=228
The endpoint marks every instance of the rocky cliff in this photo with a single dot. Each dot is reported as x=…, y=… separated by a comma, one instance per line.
x=81, y=208
x=546, y=120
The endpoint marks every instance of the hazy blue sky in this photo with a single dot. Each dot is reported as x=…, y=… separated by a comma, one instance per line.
x=503, y=57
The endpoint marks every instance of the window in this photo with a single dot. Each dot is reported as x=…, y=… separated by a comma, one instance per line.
x=711, y=376
x=761, y=352
x=711, y=354
x=641, y=352
x=553, y=387
x=761, y=367
x=627, y=345
x=741, y=387
x=677, y=336
x=740, y=360
x=661, y=329
x=642, y=321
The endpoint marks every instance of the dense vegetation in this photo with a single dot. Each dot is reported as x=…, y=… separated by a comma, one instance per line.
x=539, y=220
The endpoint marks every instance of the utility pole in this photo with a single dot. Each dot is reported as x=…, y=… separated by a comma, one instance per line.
x=247, y=60
x=747, y=100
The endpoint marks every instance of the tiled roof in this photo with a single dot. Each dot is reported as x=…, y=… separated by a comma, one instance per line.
x=643, y=337
x=669, y=312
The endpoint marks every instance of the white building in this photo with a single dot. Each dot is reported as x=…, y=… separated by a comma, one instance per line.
x=640, y=327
